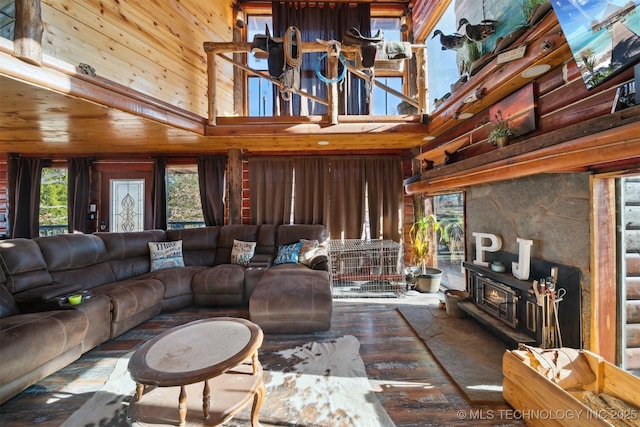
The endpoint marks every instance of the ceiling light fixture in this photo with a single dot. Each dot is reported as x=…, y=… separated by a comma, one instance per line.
x=535, y=71
x=429, y=138
x=323, y=142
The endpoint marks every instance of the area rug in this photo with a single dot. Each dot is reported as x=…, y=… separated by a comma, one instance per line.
x=315, y=384
x=470, y=355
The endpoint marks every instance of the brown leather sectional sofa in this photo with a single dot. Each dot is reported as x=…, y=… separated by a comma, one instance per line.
x=40, y=333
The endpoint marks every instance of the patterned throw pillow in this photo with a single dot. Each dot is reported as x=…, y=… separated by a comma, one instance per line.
x=166, y=255
x=242, y=252
x=288, y=254
x=307, y=251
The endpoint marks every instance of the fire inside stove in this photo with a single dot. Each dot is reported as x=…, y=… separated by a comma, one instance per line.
x=498, y=300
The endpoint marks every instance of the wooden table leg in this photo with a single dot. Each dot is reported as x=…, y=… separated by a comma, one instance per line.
x=254, y=362
x=258, y=398
x=139, y=391
x=182, y=405
x=206, y=399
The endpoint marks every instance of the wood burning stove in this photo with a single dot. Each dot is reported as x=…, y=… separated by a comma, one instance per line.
x=508, y=305
x=498, y=300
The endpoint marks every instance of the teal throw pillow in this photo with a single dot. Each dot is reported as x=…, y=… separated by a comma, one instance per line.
x=288, y=254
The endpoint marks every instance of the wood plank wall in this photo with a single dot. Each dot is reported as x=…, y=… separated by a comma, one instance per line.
x=156, y=48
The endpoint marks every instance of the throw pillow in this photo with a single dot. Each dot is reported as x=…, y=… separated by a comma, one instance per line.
x=288, y=254
x=242, y=252
x=307, y=251
x=166, y=255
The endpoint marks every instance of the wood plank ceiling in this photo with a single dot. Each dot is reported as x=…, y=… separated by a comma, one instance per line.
x=56, y=112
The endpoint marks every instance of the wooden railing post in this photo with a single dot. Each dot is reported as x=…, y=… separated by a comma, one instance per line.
x=27, y=35
x=211, y=91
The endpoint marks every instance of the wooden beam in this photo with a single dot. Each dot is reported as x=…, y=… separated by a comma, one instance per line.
x=603, y=305
x=212, y=67
x=234, y=168
x=609, y=145
x=27, y=35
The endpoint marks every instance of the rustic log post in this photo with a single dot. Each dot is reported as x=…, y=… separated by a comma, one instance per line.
x=332, y=73
x=211, y=77
x=27, y=35
x=234, y=169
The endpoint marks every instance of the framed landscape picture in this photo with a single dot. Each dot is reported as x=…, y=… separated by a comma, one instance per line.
x=604, y=35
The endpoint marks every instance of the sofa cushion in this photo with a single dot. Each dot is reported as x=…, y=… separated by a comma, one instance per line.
x=70, y=251
x=219, y=285
x=23, y=264
x=165, y=255
x=42, y=336
x=291, y=233
x=8, y=306
x=198, y=244
x=242, y=252
x=229, y=233
x=288, y=254
x=130, y=297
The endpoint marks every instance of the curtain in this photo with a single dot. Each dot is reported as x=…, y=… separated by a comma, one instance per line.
x=270, y=189
x=78, y=189
x=159, y=193
x=347, y=191
x=24, y=196
x=311, y=204
x=384, y=195
x=325, y=22
x=211, y=171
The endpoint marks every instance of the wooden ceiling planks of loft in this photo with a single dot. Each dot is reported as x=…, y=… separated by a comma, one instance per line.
x=57, y=110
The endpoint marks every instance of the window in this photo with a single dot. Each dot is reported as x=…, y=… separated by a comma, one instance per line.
x=449, y=210
x=53, y=201
x=183, y=198
x=259, y=90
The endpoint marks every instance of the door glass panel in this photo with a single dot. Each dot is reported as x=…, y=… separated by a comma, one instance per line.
x=127, y=205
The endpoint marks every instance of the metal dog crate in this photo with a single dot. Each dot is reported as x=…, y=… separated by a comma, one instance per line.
x=361, y=268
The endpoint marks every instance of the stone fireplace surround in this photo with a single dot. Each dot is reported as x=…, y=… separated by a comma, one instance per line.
x=553, y=210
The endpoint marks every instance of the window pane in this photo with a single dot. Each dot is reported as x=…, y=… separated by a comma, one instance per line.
x=127, y=205
x=53, y=202
x=256, y=25
x=260, y=94
x=183, y=198
x=385, y=103
x=390, y=26
x=449, y=210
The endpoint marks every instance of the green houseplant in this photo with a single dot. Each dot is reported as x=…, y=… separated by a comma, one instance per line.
x=500, y=131
x=423, y=235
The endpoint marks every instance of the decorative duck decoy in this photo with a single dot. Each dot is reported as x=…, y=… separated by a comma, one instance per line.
x=479, y=32
x=450, y=42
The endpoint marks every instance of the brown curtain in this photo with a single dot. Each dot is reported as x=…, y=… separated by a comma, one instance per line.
x=211, y=170
x=24, y=196
x=311, y=202
x=270, y=189
x=78, y=189
x=384, y=194
x=159, y=193
x=347, y=193
x=324, y=21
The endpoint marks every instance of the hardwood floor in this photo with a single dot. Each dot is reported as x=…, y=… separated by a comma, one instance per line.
x=413, y=388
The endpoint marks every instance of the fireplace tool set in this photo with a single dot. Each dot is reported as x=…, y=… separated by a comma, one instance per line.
x=548, y=297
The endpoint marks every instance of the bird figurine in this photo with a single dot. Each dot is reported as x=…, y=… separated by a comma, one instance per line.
x=479, y=32
x=450, y=42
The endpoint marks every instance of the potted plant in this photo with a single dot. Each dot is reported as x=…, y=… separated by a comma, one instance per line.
x=500, y=131
x=422, y=235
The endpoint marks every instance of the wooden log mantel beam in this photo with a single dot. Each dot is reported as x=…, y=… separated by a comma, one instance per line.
x=600, y=140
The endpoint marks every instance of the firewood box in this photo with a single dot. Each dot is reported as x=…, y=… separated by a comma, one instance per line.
x=569, y=387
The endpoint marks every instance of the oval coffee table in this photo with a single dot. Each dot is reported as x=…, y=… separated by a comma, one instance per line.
x=221, y=352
